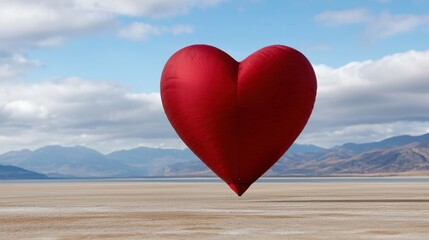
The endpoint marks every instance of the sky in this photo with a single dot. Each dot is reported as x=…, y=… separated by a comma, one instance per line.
x=87, y=72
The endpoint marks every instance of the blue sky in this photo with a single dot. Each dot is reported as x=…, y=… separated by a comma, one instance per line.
x=86, y=72
x=238, y=27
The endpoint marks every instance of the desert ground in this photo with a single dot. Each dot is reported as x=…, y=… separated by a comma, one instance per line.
x=143, y=210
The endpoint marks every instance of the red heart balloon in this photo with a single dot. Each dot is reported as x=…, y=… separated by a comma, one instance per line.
x=239, y=118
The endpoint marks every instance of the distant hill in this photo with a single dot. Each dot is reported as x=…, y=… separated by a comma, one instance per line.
x=154, y=161
x=58, y=161
x=304, y=148
x=386, y=143
x=401, y=155
x=11, y=172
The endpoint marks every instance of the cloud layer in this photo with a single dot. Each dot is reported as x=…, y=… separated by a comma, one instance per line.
x=74, y=111
x=150, y=8
x=41, y=23
x=371, y=100
x=14, y=66
x=377, y=26
x=358, y=102
x=139, y=31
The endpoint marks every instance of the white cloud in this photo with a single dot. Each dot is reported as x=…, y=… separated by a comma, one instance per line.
x=79, y=112
x=139, y=31
x=371, y=100
x=179, y=29
x=344, y=17
x=377, y=26
x=41, y=23
x=24, y=109
x=385, y=24
x=151, y=8
x=15, y=66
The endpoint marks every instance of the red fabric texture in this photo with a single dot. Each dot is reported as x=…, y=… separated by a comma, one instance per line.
x=239, y=118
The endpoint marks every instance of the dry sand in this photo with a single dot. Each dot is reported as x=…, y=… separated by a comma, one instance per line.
x=127, y=210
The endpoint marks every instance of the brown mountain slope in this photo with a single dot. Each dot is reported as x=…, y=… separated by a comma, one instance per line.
x=412, y=157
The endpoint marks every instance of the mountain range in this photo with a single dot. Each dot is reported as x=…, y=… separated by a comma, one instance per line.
x=401, y=155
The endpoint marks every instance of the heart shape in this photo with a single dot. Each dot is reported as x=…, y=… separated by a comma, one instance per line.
x=239, y=118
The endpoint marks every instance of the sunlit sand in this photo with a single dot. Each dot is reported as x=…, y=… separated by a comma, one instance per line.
x=135, y=210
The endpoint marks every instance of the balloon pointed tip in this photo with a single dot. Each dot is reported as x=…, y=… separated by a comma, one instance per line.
x=239, y=188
